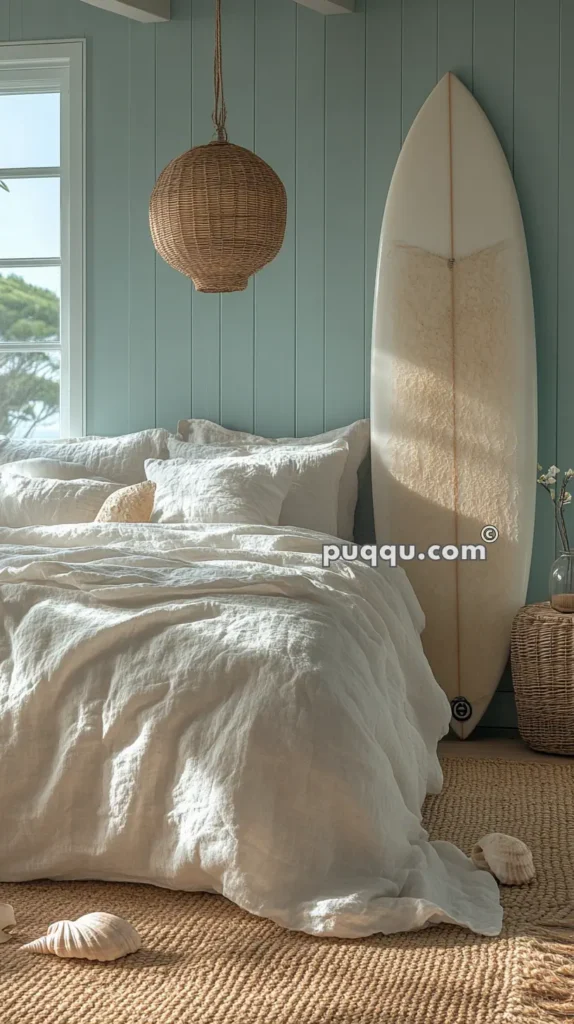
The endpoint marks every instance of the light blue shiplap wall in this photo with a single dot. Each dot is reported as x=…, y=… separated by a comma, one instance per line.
x=327, y=103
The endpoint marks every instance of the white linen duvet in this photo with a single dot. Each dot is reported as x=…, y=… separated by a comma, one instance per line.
x=207, y=708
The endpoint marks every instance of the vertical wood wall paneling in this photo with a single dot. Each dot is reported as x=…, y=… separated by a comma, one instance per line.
x=275, y=57
x=238, y=308
x=173, y=290
x=5, y=22
x=383, y=139
x=536, y=108
x=107, y=222
x=60, y=19
x=493, y=67
x=455, y=39
x=419, y=56
x=206, y=308
x=345, y=219
x=493, y=72
x=500, y=714
x=565, y=355
x=15, y=13
x=310, y=223
x=142, y=261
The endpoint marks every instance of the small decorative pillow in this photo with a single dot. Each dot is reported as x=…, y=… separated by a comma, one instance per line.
x=36, y=502
x=356, y=435
x=312, y=500
x=129, y=505
x=249, y=489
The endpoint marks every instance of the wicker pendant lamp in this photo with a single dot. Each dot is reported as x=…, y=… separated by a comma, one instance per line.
x=218, y=212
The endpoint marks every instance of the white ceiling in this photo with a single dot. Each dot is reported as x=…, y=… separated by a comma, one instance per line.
x=330, y=6
x=159, y=10
x=140, y=10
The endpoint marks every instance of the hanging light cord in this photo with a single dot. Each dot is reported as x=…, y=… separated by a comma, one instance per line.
x=220, y=111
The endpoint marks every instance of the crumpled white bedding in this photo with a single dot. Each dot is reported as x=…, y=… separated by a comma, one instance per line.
x=207, y=708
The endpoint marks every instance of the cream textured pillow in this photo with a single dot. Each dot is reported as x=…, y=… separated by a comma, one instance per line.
x=247, y=489
x=36, y=502
x=120, y=459
x=52, y=469
x=312, y=500
x=356, y=435
x=129, y=505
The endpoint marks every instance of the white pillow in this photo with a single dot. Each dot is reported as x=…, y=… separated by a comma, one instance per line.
x=312, y=500
x=51, y=469
x=37, y=502
x=120, y=459
x=248, y=489
x=356, y=436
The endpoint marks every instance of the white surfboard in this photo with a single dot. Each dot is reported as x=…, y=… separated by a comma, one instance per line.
x=453, y=391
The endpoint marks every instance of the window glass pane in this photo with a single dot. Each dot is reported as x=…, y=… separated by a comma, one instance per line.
x=30, y=394
x=30, y=218
x=29, y=305
x=30, y=130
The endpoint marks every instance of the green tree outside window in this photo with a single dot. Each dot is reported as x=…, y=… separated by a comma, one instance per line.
x=29, y=381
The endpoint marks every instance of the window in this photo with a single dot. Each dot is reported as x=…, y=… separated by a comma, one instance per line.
x=42, y=239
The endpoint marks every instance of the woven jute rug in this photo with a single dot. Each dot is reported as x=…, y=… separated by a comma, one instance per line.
x=204, y=961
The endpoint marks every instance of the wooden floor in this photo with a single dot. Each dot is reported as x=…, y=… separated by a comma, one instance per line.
x=510, y=749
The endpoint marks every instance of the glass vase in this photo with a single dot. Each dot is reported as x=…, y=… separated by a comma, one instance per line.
x=562, y=583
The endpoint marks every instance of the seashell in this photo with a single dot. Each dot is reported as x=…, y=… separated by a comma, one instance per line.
x=92, y=937
x=506, y=857
x=7, y=920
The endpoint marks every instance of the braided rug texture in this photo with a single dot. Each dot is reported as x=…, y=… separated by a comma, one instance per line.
x=204, y=961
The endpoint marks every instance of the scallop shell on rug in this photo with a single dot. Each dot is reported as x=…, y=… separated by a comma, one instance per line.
x=7, y=920
x=97, y=936
x=506, y=857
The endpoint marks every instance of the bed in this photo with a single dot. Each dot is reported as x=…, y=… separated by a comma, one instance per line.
x=204, y=706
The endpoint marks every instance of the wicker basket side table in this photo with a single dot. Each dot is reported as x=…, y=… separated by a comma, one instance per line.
x=542, y=657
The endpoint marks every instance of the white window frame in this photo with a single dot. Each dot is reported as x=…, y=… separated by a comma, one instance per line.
x=59, y=66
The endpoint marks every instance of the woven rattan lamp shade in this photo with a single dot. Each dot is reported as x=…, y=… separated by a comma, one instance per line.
x=218, y=214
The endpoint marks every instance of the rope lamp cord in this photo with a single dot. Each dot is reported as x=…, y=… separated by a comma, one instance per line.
x=219, y=115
